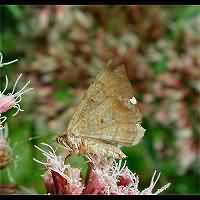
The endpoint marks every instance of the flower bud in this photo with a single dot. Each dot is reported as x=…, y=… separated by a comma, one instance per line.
x=5, y=154
x=6, y=103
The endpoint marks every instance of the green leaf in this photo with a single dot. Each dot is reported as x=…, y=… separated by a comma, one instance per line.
x=80, y=162
x=15, y=10
x=64, y=96
x=186, y=12
x=160, y=65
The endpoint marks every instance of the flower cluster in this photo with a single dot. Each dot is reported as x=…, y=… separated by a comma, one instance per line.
x=105, y=177
x=11, y=100
x=7, y=102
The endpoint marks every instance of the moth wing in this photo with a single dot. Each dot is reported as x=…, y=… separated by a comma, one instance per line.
x=112, y=121
x=109, y=83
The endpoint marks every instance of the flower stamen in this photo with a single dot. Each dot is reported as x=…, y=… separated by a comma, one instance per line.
x=2, y=120
x=3, y=132
x=6, y=63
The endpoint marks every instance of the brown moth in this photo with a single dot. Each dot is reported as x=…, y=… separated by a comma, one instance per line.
x=106, y=117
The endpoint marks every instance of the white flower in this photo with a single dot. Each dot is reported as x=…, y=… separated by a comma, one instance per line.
x=148, y=191
x=54, y=162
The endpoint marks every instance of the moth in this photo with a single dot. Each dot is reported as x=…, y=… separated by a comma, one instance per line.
x=106, y=118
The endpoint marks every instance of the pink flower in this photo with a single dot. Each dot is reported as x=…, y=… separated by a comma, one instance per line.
x=12, y=100
x=6, y=103
x=49, y=183
x=105, y=177
x=66, y=179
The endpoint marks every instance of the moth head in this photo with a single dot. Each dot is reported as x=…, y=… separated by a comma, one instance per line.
x=70, y=142
x=62, y=140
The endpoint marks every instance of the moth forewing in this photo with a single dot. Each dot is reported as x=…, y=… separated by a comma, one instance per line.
x=111, y=121
x=109, y=83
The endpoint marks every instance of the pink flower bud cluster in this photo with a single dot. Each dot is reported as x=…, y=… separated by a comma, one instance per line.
x=105, y=177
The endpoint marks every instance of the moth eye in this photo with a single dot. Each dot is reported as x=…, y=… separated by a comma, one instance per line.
x=59, y=140
x=101, y=121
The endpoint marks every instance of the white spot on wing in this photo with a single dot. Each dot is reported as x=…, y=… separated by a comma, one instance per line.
x=133, y=100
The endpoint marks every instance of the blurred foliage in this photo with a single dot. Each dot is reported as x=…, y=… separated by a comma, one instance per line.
x=61, y=49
